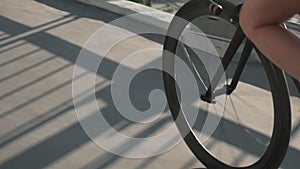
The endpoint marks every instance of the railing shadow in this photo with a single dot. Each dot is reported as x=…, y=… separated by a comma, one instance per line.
x=71, y=138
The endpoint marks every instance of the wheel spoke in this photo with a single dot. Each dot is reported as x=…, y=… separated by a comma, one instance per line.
x=262, y=142
x=192, y=64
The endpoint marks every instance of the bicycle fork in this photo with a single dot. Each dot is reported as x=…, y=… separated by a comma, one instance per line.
x=235, y=43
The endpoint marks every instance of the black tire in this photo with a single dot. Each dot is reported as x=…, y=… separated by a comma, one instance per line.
x=279, y=140
x=297, y=84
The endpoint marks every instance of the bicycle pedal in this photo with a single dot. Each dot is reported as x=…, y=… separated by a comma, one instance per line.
x=208, y=99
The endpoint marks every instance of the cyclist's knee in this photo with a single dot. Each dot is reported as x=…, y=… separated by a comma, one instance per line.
x=247, y=24
x=252, y=17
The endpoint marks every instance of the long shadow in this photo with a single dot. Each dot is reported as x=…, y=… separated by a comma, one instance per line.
x=26, y=69
x=39, y=156
x=71, y=138
x=86, y=11
x=43, y=30
x=37, y=27
x=36, y=98
x=49, y=115
x=12, y=47
x=52, y=149
x=19, y=57
x=59, y=47
x=63, y=142
x=33, y=82
x=78, y=9
x=73, y=7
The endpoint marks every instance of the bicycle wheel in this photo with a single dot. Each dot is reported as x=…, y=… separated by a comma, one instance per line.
x=254, y=127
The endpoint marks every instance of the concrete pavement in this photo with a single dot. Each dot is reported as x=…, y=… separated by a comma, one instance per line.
x=40, y=42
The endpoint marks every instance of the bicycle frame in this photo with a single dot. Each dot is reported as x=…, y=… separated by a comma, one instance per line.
x=231, y=14
x=207, y=79
x=234, y=44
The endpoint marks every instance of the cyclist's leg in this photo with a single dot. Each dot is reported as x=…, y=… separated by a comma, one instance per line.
x=261, y=19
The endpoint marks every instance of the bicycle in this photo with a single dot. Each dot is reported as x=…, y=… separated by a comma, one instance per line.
x=275, y=141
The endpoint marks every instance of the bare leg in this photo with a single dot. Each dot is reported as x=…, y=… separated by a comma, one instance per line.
x=261, y=20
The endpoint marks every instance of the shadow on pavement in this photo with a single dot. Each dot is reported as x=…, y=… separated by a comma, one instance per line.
x=59, y=145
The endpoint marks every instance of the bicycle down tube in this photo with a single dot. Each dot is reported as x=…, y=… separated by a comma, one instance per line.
x=235, y=43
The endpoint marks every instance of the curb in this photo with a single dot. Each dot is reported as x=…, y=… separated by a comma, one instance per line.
x=151, y=16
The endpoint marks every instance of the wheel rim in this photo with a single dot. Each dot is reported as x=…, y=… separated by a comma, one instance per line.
x=237, y=153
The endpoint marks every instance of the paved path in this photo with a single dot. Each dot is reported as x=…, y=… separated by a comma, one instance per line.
x=39, y=44
x=40, y=41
